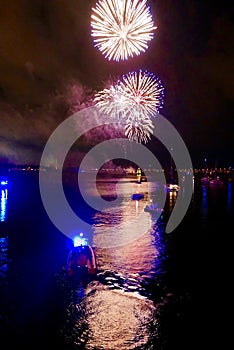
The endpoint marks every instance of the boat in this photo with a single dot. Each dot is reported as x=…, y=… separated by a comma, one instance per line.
x=172, y=187
x=138, y=174
x=137, y=196
x=205, y=180
x=81, y=264
x=153, y=209
x=216, y=182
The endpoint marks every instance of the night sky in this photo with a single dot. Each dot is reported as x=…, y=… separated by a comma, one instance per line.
x=49, y=68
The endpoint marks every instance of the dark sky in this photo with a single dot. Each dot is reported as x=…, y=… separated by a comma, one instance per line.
x=46, y=49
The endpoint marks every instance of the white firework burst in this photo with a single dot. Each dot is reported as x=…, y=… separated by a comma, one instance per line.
x=133, y=101
x=121, y=28
x=109, y=100
x=144, y=91
x=139, y=129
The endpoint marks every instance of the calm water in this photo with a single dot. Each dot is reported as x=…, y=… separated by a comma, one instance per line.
x=157, y=291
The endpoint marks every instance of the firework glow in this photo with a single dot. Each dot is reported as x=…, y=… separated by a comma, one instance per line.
x=133, y=101
x=121, y=28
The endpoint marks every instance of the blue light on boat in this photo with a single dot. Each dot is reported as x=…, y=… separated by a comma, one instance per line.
x=4, y=182
x=80, y=240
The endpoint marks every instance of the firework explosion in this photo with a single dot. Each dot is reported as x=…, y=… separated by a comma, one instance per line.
x=133, y=100
x=121, y=28
x=138, y=129
x=144, y=92
x=110, y=100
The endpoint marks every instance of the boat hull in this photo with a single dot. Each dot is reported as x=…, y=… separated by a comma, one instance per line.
x=81, y=265
x=137, y=196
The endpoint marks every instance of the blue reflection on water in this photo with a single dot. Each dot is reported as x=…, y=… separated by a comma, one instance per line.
x=3, y=256
x=204, y=205
x=159, y=243
x=3, y=204
x=229, y=195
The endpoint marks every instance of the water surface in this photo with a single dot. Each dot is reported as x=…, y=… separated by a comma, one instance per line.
x=153, y=290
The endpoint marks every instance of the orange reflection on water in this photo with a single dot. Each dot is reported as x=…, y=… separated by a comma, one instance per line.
x=115, y=320
x=117, y=226
x=122, y=235
x=172, y=199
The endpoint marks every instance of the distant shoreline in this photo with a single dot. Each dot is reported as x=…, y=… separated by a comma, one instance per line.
x=224, y=173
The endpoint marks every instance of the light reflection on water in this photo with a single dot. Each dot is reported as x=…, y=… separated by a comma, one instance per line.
x=125, y=223
x=124, y=236
x=172, y=199
x=133, y=259
x=110, y=319
x=116, y=311
x=119, y=321
x=146, y=294
x=121, y=226
x=3, y=205
x=229, y=196
x=4, y=262
x=3, y=257
x=204, y=202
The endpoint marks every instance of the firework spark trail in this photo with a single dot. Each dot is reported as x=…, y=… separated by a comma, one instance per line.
x=144, y=90
x=134, y=100
x=112, y=102
x=121, y=28
x=139, y=130
x=137, y=91
x=109, y=101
